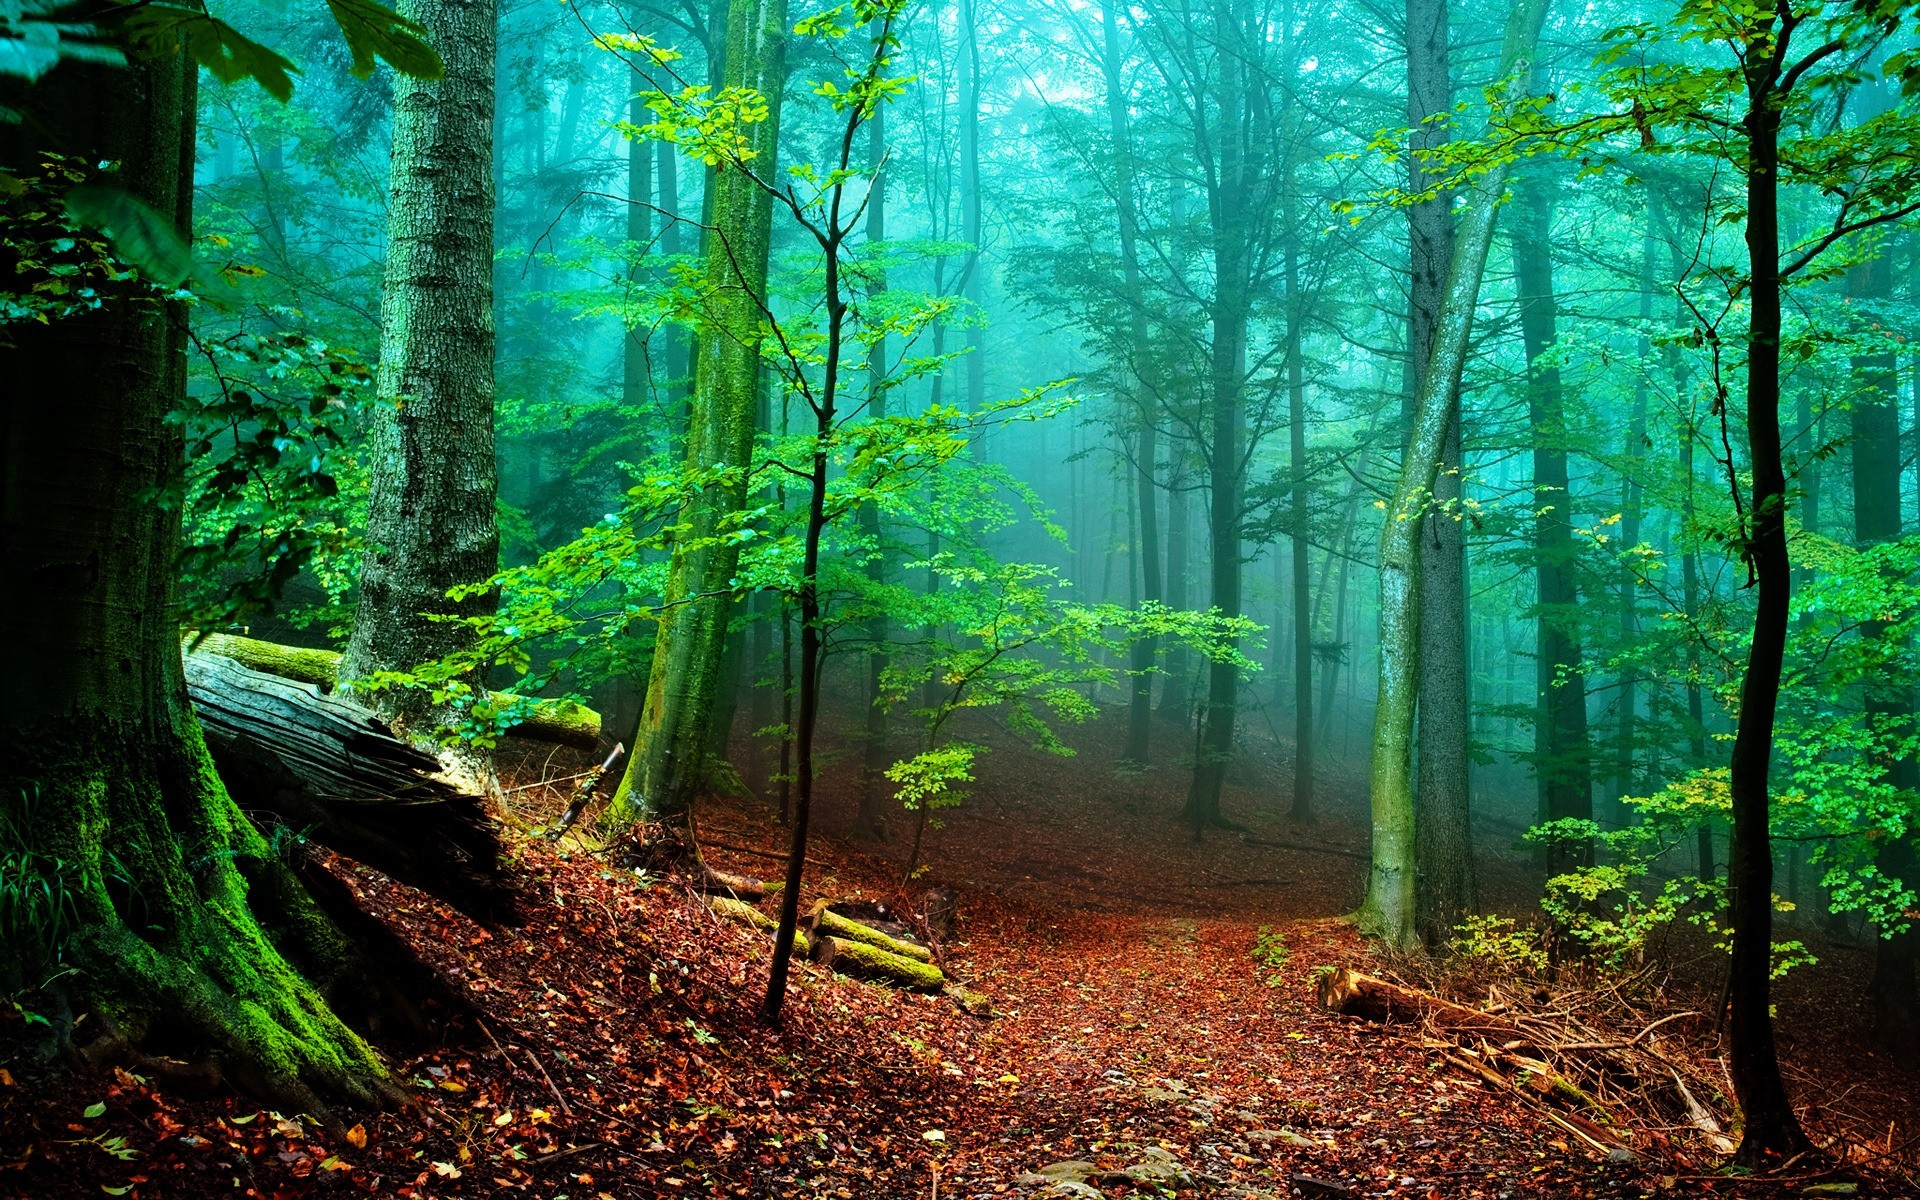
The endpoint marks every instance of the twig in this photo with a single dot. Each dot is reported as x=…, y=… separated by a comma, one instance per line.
x=567, y=1153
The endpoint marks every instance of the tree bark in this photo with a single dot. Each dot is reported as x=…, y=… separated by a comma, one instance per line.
x=1389, y=910
x=1889, y=706
x=184, y=924
x=1563, y=753
x=1146, y=449
x=1770, y=1131
x=430, y=518
x=874, y=746
x=668, y=764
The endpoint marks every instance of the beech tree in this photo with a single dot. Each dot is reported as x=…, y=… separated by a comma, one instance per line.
x=180, y=921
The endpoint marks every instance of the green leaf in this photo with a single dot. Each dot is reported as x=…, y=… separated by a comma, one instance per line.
x=374, y=31
x=214, y=44
x=141, y=234
x=97, y=1108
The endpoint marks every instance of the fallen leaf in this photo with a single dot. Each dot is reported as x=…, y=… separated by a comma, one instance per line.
x=357, y=1137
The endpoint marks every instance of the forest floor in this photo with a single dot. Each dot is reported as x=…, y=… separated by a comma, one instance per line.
x=614, y=1050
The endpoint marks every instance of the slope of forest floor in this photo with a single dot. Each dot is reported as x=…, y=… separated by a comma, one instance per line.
x=616, y=1052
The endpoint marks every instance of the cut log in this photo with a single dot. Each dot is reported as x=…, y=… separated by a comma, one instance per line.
x=824, y=920
x=1357, y=995
x=329, y=770
x=871, y=962
x=753, y=891
x=560, y=721
x=747, y=914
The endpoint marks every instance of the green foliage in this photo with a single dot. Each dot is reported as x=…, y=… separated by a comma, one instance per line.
x=267, y=443
x=228, y=55
x=54, y=265
x=1270, y=950
x=1500, y=944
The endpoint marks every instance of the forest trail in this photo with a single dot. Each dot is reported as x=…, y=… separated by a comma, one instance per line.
x=1137, y=1048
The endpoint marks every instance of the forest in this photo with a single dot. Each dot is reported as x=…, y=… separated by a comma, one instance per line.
x=975, y=598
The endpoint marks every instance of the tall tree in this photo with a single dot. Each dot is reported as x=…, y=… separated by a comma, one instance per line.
x=1389, y=911
x=874, y=747
x=1875, y=444
x=1562, y=751
x=183, y=926
x=1146, y=442
x=669, y=761
x=430, y=510
x=1443, y=843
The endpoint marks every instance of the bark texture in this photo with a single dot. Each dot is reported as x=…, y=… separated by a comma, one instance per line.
x=1562, y=750
x=1388, y=911
x=430, y=518
x=669, y=758
x=184, y=925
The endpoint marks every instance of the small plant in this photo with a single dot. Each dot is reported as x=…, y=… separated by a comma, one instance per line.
x=1500, y=943
x=1270, y=950
x=37, y=905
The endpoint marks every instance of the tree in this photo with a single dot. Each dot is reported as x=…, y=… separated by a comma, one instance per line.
x=1388, y=911
x=430, y=518
x=1562, y=753
x=669, y=760
x=168, y=914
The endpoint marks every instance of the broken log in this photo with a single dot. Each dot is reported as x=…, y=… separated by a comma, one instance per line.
x=824, y=920
x=560, y=721
x=868, y=961
x=327, y=769
x=1356, y=995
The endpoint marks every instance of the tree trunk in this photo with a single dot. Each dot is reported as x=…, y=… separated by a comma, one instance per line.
x=1770, y=1130
x=668, y=764
x=1889, y=706
x=636, y=375
x=430, y=517
x=1239, y=156
x=1563, y=757
x=1146, y=405
x=184, y=925
x=874, y=758
x=1388, y=911
x=1304, y=751
x=1443, y=841
x=973, y=275
x=1175, y=701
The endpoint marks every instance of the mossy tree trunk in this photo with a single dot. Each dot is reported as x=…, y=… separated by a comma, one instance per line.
x=184, y=928
x=668, y=764
x=430, y=520
x=1388, y=911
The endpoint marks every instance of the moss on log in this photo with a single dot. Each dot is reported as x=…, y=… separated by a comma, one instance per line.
x=560, y=721
x=871, y=962
x=747, y=914
x=826, y=921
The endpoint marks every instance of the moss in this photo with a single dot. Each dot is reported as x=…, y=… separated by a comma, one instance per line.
x=560, y=721
x=828, y=921
x=747, y=914
x=201, y=964
x=874, y=963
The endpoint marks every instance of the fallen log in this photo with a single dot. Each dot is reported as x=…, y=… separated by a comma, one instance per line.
x=1356, y=995
x=560, y=721
x=747, y=914
x=868, y=961
x=824, y=920
x=327, y=769
x=753, y=891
